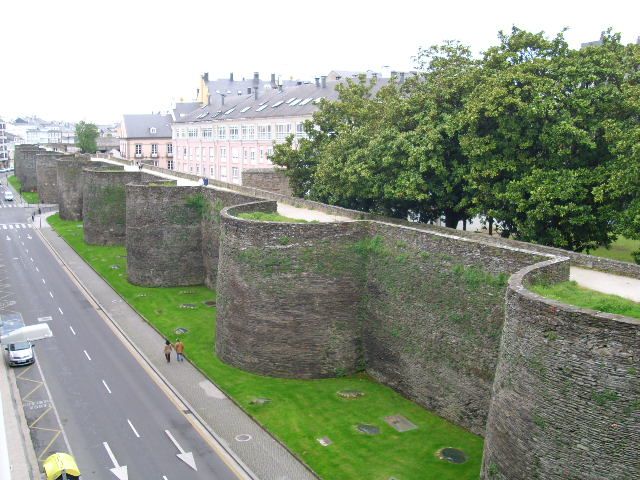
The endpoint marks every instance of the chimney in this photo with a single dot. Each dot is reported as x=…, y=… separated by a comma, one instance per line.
x=256, y=84
x=205, y=77
x=318, y=82
x=231, y=77
x=323, y=81
x=401, y=77
x=273, y=80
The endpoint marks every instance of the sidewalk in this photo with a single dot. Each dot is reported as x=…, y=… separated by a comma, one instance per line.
x=262, y=456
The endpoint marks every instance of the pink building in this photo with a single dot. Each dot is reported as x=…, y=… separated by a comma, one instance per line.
x=147, y=139
x=238, y=124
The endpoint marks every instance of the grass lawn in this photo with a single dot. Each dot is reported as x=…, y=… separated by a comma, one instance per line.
x=571, y=293
x=270, y=217
x=29, y=197
x=620, y=250
x=300, y=411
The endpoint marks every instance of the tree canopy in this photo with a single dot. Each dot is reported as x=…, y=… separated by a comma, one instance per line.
x=86, y=135
x=538, y=138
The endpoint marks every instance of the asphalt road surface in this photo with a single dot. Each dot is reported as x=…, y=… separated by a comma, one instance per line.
x=117, y=422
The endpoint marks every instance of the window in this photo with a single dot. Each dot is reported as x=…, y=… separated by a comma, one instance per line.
x=235, y=155
x=222, y=133
x=223, y=173
x=245, y=155
x=212, y=153
x=138, y=149
x=152, y=130
x=235, y=173
x=154, y=149
x=234, y=132
x=207, y=133
x=198, y=169
x=170, y=164
x=193, y=133
x=198, y=153
x=223, y=153
x=253, y=155
x=282, y=130
x=262, y=154
x=184, y=152
x=169, y=148
x=300, y=130
x=248, y=132
x=212, y=172
x=264, y=132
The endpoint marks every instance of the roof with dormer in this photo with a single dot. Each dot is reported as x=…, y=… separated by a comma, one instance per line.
x=152, y=125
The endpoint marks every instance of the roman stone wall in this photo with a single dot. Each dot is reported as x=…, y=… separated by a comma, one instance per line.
x=70, y=185
x=218, y=199
x=104, y=204
x=20, y=154
x=289, y=296
x=566, y=397
x=47, y=176
x=164, y=236
x=270, y=179
x=433, y=316
x=27, y=169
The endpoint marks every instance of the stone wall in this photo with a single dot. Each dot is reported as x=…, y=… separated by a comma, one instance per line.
x=218, y=199
x=47, y=176
x=269, y=179
x=566, y=397
x=433, y=316
x=27, y=169
x=70, y=185
x=163, y=235
x=19, y=162
x=104, y=204
x=288, y=296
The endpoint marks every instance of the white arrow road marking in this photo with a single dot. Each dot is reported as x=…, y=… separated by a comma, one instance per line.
x=133, y=428
x=106, y=386
x=186, y=457
x=118, y=471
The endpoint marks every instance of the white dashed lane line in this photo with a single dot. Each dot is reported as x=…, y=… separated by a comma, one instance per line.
x=61, y=312
x=133, y=428
x=51, y=294
x=87, y=355
x=106, y=386
x=72, y=330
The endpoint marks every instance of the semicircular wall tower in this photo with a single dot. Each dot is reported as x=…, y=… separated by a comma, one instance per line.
x=104, y=204
x=70, y=185
x=47, y=176
x=566, y=396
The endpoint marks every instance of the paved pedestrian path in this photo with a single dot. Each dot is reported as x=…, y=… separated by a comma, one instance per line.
x=263, y=457
x=626, y=287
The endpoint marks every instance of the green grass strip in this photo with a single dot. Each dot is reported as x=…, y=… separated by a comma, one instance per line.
x=270, y=217
x=573, y=294
x=619, y=250
x=299, y=411
x=29, y=197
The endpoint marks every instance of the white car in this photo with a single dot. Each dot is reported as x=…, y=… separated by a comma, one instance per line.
x=20, y=353
x=8, y=195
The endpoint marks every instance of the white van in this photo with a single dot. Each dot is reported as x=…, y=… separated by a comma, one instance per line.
x=20, y=353
x=8, y=195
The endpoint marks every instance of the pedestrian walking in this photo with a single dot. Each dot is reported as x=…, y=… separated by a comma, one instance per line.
x=167, y=350
x=179, y=350
x=33, y=216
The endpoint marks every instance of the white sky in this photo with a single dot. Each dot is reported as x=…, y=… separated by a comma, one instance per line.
x=88, y=60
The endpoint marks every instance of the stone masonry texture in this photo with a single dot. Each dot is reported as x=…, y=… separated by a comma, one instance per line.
x=566, y=397
x=27, y=160
x=70, y=185
x=47, y=176
x=104, y=204
x=270, y=179
x=20, y=161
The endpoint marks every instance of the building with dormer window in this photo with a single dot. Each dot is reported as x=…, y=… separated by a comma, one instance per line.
x=147, y=139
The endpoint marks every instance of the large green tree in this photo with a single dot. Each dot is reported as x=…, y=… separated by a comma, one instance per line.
x=86, y=136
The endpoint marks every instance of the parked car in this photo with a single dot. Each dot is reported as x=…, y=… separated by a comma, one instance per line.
x=20, y=353
x=8, y=195
x=61, y=466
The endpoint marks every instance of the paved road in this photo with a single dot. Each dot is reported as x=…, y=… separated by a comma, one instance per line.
x=626, y=287
x=112, y=413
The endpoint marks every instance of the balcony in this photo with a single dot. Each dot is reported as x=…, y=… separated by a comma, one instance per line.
x=170, y=154
x=138, y=155
x=154, y=155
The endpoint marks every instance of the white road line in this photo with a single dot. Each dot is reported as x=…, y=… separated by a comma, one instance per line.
x=51, y=294
x=60, y=310
x=164, y=477
x=106, y=386
x=37, y=270
x=72, y=330
x=43, y=281
x=85, y=352
x=133, y=428
x=31, y=258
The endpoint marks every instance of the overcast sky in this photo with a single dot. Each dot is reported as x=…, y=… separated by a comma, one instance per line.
x=88, y=60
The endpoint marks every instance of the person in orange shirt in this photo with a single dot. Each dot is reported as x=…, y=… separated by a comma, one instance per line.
x=179, y=350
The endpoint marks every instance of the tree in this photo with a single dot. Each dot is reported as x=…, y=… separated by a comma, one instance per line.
x=86, y=135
